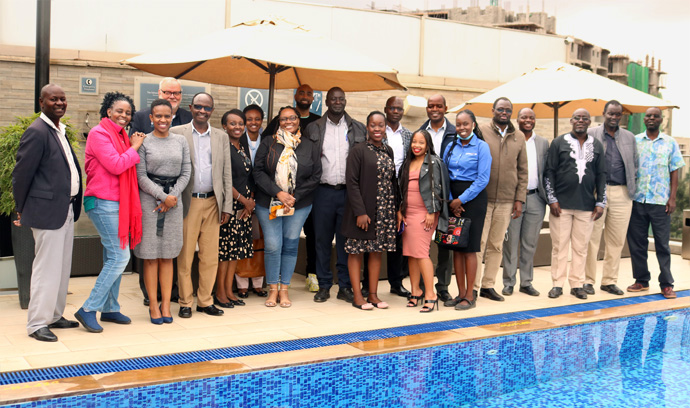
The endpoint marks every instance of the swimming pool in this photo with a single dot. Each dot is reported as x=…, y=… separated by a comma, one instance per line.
x=641, y=361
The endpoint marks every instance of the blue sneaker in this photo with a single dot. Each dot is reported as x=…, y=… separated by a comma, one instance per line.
x=115, y=317
x=88, y=320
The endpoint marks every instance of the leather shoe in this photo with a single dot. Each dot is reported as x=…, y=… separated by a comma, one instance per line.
x=490, y=294
x=346, y=294
x=638, y=287
x=612, y=289
x=365, y=292
x=588, y=288
x=63, y=323
x=44, y=334
x=507, y=291
x=400, y=291
x=146, y=302
x=578, y=293
x=529, y=290
x=322, y=295
x=555, y=292
x=228, y=305
x=185, y=312
x=668, y=292
x=210, y=310
x=444, y=296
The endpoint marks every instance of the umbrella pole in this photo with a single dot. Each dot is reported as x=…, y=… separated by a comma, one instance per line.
x=555, y=119
x=271, y=89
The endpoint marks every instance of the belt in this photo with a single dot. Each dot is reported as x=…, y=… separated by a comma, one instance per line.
x=332, y=187
x=533, y=191
x=613, y=183
x=203, y=195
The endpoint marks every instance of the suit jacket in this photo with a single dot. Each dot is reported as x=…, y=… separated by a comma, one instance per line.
x=542, y=146
x=41, y=179
x=142, y=123
x=625, y=141
x=221, y=168
x=448, y=135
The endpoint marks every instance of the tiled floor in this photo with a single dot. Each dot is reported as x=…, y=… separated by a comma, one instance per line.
x=254, y=323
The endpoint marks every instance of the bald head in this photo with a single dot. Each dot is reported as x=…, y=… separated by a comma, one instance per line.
x=53, y=102
x=526, y=120
x=394, y=111
x=580, y=121
x=304, y=96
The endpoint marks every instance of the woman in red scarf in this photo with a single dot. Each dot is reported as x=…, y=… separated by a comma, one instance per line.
x=111, y=201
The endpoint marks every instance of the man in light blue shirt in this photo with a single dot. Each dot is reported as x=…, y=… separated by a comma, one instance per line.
x=653, y=203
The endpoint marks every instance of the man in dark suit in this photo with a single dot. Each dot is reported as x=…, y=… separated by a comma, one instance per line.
x=47, y=191
x=523, y=231
x=170, y=90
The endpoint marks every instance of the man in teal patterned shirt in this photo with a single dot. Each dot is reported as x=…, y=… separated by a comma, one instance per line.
x=653, y=203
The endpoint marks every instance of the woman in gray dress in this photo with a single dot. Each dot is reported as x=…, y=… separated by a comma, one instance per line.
x=163, y=172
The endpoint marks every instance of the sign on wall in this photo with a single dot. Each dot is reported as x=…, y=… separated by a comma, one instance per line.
x=88, y=85
x=253, y=96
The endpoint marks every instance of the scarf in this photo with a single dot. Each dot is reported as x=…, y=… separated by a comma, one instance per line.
x=286, y=169
x=129, y=224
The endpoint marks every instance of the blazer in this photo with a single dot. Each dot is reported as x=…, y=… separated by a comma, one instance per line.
x=542, y=146
x=308, y=171
x=142, y=123
x=435, y=202
x=362, y=186
x=356, y=131
x=448, y=136
x=625, y=141
x=41, y=179
x=221, y=168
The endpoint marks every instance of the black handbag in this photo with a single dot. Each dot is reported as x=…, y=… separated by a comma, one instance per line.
x=457, y=235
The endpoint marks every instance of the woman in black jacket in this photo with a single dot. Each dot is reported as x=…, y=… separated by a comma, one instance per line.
x=423, y=190
x=369, y=219
x=287, y=170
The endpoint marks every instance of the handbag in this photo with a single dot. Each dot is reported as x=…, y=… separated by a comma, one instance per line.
x=457, y=235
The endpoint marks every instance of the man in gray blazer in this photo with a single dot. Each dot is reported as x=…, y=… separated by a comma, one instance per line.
x=621, y=172
x=46, y=183
x=207, y=202
x=523, y=231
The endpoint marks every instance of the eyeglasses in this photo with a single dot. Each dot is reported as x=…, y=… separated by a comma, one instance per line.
x=504, y=110
x=395, y=108
x=205, y=108
x=290, y=118
x=174, y=93
x=581, y=118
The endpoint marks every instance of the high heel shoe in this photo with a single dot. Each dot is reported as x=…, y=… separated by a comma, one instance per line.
x=166, y=320
x=427, y=309
x=228, y=305
x=413, y=301
x=157, y=320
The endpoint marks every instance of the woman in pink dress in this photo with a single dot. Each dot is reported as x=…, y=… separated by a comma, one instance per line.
x=423, y=188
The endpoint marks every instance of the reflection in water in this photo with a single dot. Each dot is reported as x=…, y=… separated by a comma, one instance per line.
x=685, y=340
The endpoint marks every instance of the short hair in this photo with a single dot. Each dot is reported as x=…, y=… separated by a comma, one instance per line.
x=169, y=79
x=109, y=100
x=46, y=87
x=335, y=88
x=161, y=102
x=612, y=102
x=502, y=98
x=442, y=98
x=254, y=107
x=520, y=111
x=237, y=112
x=213, y=103
x=374, y=113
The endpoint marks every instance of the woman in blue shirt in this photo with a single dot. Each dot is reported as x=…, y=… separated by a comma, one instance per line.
x=468, y=160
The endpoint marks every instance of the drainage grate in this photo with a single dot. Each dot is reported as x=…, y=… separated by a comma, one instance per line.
x=53, y=373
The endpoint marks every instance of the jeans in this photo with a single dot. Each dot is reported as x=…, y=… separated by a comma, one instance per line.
x=103, y=297
x=281, y=242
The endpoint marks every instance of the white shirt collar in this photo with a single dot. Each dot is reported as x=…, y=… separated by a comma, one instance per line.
x=50, y=123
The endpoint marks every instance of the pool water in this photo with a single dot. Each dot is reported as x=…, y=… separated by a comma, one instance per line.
x=642, y=361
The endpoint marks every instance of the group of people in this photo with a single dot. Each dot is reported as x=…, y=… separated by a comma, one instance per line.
x=175, y=185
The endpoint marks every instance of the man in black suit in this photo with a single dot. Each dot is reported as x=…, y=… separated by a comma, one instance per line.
x=47, y=192
x=170, y=90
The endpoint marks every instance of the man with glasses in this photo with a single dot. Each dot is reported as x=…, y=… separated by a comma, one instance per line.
x=575, y=170
x=621, y=171
x=335, y=133
x=507, y=192
x=653, y=203
x=170, y=90
x=207, y=203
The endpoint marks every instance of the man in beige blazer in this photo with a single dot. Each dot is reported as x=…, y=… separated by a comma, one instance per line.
x=207, y=202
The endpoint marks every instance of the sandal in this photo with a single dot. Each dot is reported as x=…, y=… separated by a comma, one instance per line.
x=366, y=306
x=284, y=303
x=427, y=309
x=269, y=302
x=413, y=301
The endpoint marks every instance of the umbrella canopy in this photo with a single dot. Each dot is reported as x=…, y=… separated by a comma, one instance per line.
x=272, y=54
x=560, y=89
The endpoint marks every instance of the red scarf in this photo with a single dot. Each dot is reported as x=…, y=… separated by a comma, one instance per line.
x=129, y=226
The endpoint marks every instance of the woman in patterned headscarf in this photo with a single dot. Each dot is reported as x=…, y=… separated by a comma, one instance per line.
x=287, y=170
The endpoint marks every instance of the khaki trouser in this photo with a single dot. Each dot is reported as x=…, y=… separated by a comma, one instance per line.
x=201, y=225
x=572, y=228
x=496, y=222
x=614, y=223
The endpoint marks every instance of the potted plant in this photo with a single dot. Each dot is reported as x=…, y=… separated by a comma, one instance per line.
x=22, y=238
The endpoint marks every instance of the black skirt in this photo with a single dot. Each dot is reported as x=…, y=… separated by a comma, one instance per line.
x=475, y=210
